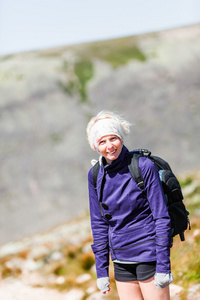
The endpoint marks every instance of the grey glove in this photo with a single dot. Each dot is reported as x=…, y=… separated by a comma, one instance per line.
x=162, y=280
x=103, y=284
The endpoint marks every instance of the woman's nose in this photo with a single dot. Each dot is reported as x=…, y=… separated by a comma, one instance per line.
x=109, y=145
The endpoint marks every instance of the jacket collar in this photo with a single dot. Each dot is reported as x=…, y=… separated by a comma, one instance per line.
x=117, y=163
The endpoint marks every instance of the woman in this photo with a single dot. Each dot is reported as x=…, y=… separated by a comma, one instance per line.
x=134, y=230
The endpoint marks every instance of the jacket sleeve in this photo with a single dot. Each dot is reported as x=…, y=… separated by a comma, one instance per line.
x=160, y=214
x=99, y=227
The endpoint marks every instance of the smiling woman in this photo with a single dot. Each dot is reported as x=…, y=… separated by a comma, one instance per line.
x=136, y=232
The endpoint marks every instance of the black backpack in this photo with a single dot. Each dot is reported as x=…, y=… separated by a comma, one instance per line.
x=171, y=187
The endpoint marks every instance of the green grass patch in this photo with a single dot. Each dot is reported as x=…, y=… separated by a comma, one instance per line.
x=185, y=258
x=78, y=76
x=193, y=204
x=117, y=52
x=185, y=182
x=83, y=69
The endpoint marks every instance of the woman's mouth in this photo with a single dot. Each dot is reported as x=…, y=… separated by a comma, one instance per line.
x=112, y=152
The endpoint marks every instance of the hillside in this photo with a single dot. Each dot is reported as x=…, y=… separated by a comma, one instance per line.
x=47, y=98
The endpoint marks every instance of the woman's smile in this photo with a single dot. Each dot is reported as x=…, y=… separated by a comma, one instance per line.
x=112, y=152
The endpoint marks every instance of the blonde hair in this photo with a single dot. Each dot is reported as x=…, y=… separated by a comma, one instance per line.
x=120, y=127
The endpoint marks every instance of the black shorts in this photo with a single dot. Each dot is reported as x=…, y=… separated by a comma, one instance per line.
x=133, y=272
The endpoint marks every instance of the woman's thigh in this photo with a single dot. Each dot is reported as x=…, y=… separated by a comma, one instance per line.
x=142, y=290
x=129, y=290
x=150, y=291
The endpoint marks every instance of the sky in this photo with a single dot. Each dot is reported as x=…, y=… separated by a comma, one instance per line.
x=27, y=25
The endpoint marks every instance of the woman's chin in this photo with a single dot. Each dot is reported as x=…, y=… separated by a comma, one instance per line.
x=112, y=157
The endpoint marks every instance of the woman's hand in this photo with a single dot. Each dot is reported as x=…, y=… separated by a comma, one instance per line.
x=103, y=284
x=162, y=280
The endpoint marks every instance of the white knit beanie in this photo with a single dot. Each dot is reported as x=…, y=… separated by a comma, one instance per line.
x=112, y=125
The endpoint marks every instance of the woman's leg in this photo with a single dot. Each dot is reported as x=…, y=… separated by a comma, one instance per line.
x=150, y=291
x=129, y=290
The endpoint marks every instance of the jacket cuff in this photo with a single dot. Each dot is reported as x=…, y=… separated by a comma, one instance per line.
x=163, y=259
x=101, y=251
x=163, y=241
x=99, y=247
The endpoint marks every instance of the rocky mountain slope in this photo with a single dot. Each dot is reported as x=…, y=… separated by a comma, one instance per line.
x=47, y=98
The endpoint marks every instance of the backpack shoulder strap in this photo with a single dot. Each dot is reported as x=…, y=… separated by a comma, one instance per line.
x=133, y=166
x=95, y=171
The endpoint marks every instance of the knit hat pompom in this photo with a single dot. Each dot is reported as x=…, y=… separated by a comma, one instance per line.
x=106, y=123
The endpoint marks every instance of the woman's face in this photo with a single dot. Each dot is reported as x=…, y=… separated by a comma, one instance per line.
x=110, y=147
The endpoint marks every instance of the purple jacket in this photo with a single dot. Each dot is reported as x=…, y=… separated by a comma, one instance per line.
x=139, y=230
